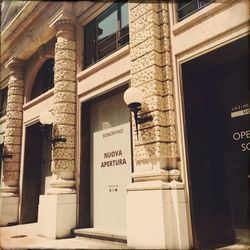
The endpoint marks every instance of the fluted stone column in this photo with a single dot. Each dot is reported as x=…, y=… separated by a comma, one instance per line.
x=63, y=154
x=12, y=144
x=157, y=189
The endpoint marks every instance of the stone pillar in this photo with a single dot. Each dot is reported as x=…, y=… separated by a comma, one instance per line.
x=9, y=191
x=63, y=154
x=156, y=200
x=60, y=199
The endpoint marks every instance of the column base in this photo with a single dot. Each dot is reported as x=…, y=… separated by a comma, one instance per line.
x=8, y=191
x=9, y=210
x=56, y=215
x=157, y=218
x=62, y=186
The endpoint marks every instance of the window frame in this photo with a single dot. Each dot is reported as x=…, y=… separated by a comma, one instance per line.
x=3, y=101
x=200, y=5
x=40, y=86
x=87, y=62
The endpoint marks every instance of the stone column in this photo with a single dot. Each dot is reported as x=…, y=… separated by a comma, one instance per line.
x=60, y=199
x=63, y=154
x=157, y=195
x=9, y=190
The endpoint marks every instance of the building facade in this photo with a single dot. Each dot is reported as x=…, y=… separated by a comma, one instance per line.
x=75, y=159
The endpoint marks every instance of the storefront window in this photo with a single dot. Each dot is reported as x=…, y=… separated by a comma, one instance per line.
x=106, y=33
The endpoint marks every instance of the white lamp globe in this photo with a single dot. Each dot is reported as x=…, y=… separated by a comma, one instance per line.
x=46, y=117
x=133, y=95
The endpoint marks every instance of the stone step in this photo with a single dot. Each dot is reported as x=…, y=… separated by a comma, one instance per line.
x=100, y=234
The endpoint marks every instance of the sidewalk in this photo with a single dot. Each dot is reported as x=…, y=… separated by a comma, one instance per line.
x=25, y=237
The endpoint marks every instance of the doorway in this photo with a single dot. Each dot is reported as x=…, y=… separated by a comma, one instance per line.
x=37, y=170
x=217, y=103
x=106, y=163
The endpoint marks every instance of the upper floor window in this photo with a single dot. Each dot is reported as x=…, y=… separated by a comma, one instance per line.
x=187, y=7
x=44, y=79
x=3, y=101
x=106, y=33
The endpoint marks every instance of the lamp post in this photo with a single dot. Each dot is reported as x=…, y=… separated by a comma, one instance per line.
x=46, y=119
x=133, y=97
x=2, y=154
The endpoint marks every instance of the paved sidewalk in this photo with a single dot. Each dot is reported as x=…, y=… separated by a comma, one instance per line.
x=25, y=237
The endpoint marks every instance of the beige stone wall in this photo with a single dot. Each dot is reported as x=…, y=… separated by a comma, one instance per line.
x=151, y=72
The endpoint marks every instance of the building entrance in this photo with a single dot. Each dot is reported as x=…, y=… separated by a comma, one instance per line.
x=110, y=163
x=217, y=114
x=37, y=170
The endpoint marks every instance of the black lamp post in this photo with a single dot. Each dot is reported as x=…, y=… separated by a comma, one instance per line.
x=46, y=119
x=2, y=154
x=133, y=97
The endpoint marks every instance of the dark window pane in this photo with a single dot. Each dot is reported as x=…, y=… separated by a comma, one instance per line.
x=124, y=32
x=89, y=43
x=3, y=101
x=187, y=7
x=107, y=25
x=124, y=15
x=106, y=46
x=124, y=35
x=44, y=79
x=106, y=30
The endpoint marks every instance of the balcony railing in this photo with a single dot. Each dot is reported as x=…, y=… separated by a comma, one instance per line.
x=108, y=45
x=113, y=42
x=186, y=8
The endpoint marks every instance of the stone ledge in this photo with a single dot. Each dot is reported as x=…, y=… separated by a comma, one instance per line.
x=99, y=234
x=155, y=185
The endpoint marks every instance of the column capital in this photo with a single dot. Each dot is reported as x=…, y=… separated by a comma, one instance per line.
x=65, y=28
x=15, y=67
x=64, y=24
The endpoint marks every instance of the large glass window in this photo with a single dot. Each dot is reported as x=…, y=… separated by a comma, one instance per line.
x=3, y=101
x=188, y=7
x=106, y=33
x=44, y=79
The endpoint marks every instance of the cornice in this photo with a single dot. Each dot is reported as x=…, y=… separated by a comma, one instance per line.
x=18, y=28
x=18, y=19
x=65, y=15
